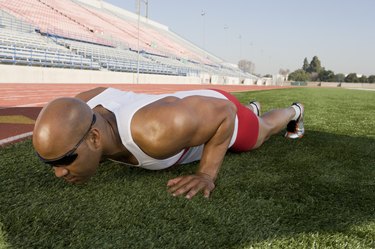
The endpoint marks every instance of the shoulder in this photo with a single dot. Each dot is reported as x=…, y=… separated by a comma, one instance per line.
x=169, y=125
x=86, y=96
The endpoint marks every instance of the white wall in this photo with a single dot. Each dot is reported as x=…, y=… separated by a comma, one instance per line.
x=249, y=82
x=228, y=80
x=342, y=84
x=26, y=74
x=217, y=79
x=359, y=85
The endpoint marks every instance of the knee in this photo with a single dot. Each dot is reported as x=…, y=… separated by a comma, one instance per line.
x=265, y=132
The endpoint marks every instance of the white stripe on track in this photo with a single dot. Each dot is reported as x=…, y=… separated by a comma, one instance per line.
x=14, y=138
x=32, y=105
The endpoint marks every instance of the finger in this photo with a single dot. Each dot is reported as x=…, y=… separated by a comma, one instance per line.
x=208, y=189
x=207, y=192
x=195, y=189
x=174, y=181
x=186, y=187
x=184, y=180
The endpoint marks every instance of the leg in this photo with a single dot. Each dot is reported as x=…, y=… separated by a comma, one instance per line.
x=272, y=123
x=253, y=130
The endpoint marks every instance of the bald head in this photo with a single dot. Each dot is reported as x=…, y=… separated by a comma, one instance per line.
x=60, y=125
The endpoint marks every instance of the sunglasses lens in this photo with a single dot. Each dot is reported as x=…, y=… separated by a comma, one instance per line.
x=66, y=160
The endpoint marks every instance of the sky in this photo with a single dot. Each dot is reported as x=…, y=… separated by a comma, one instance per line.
x=274, y=34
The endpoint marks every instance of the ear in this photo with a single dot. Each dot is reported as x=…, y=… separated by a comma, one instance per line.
x=94, y=139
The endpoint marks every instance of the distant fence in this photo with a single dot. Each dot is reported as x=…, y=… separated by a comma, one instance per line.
x=298, y=83
x=341, y=84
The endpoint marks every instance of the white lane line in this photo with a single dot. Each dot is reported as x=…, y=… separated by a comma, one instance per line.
x=26, y=105
x=364, y=89
x=14, y=138
x=33, y=104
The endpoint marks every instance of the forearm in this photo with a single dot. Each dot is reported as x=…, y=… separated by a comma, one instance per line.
x=214, y=128
x=215, y=150
x=204, y=179
x=211, y=162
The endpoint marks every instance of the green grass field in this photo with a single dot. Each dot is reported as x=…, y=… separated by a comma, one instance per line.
x=318, y=192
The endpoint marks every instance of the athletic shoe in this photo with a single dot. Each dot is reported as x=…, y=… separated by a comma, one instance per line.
x=255, y=107
x=295, y=128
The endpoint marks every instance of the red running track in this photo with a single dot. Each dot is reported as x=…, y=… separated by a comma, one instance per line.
x=31, y=95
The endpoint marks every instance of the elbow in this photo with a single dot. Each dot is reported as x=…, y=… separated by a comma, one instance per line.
x=230, y=117
x=232, y=110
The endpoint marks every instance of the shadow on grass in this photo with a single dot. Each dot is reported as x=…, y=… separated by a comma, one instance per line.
x=324, y=183
x=321, y=184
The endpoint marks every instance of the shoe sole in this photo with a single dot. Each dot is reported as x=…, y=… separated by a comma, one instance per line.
x=293, y=129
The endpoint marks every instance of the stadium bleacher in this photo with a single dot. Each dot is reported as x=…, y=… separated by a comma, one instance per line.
x=20, y=44
x=73, y=34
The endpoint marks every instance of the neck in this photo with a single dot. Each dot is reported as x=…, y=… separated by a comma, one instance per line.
x=112, y=143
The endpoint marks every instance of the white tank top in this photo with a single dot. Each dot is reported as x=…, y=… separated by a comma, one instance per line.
x=125, y=104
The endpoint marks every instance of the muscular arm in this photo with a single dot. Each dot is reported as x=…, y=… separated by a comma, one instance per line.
x=173, y=124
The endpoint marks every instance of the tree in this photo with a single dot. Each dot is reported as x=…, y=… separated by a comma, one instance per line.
x=299, y=75
x=352, y=77
x=246, y=66
x=314, y=76
x=305, y=64
x=315, y=65
x=340, y=77
x=363, y=79
x=326, y=75
x=371, y=79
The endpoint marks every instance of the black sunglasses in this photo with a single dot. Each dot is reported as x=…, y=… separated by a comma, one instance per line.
x=70, y=156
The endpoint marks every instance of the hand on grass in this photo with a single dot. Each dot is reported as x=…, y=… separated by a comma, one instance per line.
x=191, y=185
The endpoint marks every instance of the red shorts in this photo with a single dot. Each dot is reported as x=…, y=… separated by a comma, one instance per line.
x=248, y=125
